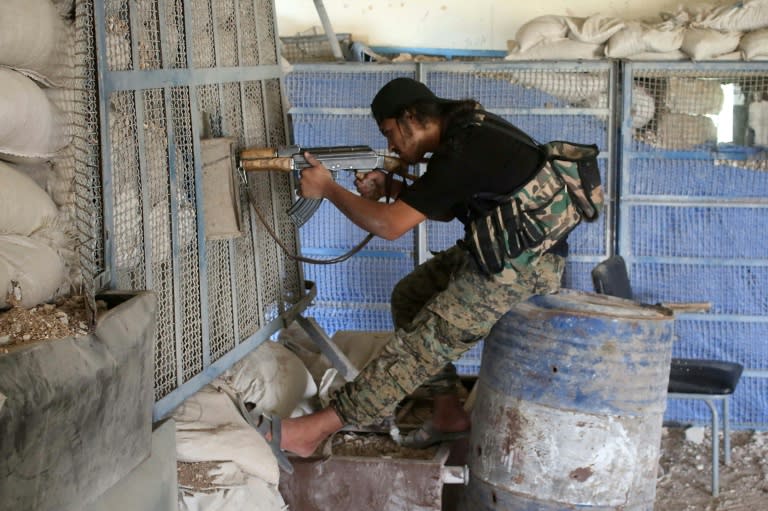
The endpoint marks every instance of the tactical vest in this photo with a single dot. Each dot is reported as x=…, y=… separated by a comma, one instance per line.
x=532, y=219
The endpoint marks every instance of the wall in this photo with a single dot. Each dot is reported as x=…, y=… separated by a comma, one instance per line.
x=480, y=24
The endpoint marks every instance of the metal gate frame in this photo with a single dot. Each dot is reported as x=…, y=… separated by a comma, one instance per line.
x=189, y=356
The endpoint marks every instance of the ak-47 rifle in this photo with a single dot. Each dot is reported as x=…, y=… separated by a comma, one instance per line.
x=358, y=159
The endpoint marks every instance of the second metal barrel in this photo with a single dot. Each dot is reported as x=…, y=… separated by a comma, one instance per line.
x=570, y=403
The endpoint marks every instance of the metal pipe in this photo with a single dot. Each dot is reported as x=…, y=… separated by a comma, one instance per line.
x=328, y=29
x=455, y=474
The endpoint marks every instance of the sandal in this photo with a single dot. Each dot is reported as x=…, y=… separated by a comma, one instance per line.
x=270, y=425
x=427, y=436
x=267, y=425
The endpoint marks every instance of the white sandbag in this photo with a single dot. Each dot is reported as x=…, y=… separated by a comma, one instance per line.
x=24, y=206
x=596, y=29
x=61, y=182
x=742, y=15
x=754, y=45
x=758, y=122
x=65, y=8
x=539, y=30
x=60, y=235
x=252, y=495
x=653, y=55
x=33, y=39
x=5, y=284
x=628, y=41
x=209, y=428
x=706, y=43
x=731, y=56
x=272, y=378
x=37, y=268
x=564, y=49
x=638, y=37
x=298, y=341
x=359, y=346
x=683, y=131
x=663, y=38
x=643, y=107
x=693, y=96
x=39, y=171
x=32, y=126
x=574, y=87
x=127, y=236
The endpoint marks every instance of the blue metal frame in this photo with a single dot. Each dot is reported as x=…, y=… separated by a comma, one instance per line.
x=627, y=200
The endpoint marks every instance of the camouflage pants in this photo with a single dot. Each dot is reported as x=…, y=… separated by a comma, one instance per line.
x=460, y=305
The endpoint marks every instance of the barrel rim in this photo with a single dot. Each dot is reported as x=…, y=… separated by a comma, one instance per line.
x=596, y=304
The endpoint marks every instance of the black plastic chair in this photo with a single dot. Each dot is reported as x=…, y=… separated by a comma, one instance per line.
x=706, y=380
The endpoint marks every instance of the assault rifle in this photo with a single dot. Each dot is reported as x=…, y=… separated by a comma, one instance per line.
x=358, y=159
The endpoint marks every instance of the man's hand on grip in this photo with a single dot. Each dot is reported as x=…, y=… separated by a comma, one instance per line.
x=314, y=179
x=371, y=185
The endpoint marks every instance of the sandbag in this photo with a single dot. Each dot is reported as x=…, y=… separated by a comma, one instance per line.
x=595, y=29
x=33, y=39
x=360, y=347
x=638, y=37
x=210, y=428
x=707, y=44
x=65, y=8
x=643, y=107
x=37, y=268
x=40, y=172
x=742, y=15
x=232, y=493
x=24, y=206
x=693, y=96
x=758, y=122
x=652, y=55
x=272, y=378
x=539, y=30
x=683, y=131
x=563, y=49
x=32, y=126
x=754, y=45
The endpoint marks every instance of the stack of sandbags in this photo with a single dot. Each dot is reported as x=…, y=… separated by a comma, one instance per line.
x=28, y=265
x=563, y=38
x=212, y=432
x=35, y=241
x=736, y=31
x=684, y=120
x=243, y=472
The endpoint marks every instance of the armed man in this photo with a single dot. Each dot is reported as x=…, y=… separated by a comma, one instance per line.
x=475, y=161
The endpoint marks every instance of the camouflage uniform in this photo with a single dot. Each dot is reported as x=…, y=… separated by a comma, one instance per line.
x=460, y=306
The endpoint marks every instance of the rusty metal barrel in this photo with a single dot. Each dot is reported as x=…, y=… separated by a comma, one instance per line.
x=569, y=408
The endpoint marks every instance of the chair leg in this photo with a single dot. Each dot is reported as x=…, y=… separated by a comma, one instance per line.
x=726, y=432
x=715, y=449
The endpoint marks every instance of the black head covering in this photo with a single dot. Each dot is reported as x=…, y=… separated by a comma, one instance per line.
x=399, y=94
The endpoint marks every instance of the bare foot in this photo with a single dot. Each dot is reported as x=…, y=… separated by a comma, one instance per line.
x=448, y=414
x=302, y=435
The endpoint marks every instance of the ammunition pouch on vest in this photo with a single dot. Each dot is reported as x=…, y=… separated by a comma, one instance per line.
x=532, y=219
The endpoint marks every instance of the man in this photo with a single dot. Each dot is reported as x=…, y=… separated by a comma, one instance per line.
x=447, y=304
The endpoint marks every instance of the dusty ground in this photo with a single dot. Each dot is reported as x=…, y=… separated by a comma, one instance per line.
x=685, y=477
x=685, y=473
x=195, y=476
x=67, y=317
